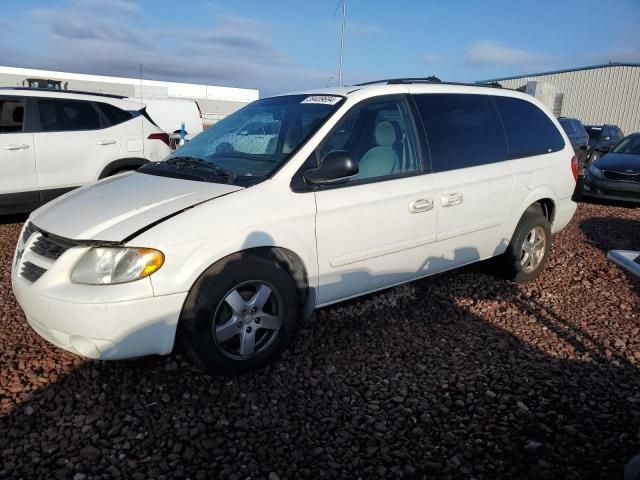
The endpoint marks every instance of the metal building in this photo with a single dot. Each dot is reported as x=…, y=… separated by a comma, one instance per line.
x=596, y=94
x=215, y=102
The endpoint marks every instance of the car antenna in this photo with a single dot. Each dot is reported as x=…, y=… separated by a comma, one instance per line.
x=344, y=21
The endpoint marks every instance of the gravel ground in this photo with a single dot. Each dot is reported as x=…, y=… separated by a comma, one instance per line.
x=458, y=376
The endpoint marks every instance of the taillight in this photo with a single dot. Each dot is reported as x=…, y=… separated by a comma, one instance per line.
x=160, y=136
x=574, y=168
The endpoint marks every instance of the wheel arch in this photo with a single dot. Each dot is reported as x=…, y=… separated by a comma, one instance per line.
x=291, y=262
x=541, y=199
x=121, y=164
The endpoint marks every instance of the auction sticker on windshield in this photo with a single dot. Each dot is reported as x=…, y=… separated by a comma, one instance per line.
x=322, y=99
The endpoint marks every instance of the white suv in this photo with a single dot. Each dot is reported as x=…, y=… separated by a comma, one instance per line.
x=228, y=242
x=54, y=141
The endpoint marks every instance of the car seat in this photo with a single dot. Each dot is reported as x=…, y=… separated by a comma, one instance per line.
x=381, y=160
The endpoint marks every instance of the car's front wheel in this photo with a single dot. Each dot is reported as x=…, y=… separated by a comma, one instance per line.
x=239, y=314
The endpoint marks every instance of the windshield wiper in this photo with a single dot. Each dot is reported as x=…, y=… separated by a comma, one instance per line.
x=193, y=163
x=246, y=156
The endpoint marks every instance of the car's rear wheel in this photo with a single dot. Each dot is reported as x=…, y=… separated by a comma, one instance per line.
x=529, y=248
x=239, y=314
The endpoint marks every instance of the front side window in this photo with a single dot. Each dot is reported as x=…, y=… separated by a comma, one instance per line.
x=11, y=115
x=529, y=130
x=379, y=136
x=462, y=130
x=248, y=145
x=67, y=115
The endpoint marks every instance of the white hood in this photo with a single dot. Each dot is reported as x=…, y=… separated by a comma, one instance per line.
x=113, y=209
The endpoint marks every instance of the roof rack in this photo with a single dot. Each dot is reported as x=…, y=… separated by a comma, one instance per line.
x=76, y=92
x=410, y=80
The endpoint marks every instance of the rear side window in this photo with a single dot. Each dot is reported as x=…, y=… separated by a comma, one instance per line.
x=11, y=115
x=114, y=115
x=67, y=115
x=462, y=130
x=529, y=130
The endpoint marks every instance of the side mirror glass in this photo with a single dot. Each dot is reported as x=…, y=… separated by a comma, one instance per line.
x=336, y=166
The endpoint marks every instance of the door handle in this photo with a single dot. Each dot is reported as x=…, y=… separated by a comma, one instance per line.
x=20, y=146
x=452, y=199
x=421, y=205
x=106, y=142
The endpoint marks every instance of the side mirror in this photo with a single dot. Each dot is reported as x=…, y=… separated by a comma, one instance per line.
x=337, y=165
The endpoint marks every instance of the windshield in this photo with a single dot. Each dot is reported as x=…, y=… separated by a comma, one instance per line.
x=630, y=145
x=594, y=132
x=248, y=145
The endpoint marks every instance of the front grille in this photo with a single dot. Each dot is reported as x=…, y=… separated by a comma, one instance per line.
x=39, y=251
x=51, y=248
x=28, y=231
x=621, y=176
x=31, y=271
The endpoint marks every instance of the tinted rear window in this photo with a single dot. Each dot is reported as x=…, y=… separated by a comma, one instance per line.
x=462, y=130
x=114, y=114
x=594, y=132
x=529, y=130
x=67, y=115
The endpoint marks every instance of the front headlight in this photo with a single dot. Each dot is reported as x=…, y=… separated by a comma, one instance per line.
x=595, y=171
x=113, y=265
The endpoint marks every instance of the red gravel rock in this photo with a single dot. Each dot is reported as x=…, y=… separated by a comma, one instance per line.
x=457, y=376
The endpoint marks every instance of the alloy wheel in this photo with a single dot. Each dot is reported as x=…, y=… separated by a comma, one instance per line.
x=533, y=249
x=247, y=320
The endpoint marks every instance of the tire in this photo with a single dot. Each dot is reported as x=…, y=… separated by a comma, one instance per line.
x=251, y=304
x=514, y=263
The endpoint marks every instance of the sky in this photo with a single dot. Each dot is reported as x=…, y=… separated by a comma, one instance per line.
x=284, y=45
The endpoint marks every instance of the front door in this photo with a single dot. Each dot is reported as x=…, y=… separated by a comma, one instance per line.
x=376, y=229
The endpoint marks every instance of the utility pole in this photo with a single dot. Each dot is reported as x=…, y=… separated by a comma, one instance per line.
x=344, y=19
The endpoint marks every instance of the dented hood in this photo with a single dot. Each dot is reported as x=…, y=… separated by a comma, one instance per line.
x=114, y=209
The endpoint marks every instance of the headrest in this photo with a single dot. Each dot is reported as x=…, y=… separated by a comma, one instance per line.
x=385, y=134
x=18, y=114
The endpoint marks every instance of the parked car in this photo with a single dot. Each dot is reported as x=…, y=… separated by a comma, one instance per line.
x=617, y=175
x=170, y=114
x=52, y=141
x=228, y=245
x=579, y=139
x=602, y=139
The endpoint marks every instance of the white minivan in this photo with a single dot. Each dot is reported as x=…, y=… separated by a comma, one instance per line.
x=227, y=243
x=52, y=141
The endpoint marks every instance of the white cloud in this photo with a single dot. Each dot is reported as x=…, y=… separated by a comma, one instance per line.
x=234, y=51
x=122, y=6
x=489, y=53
